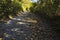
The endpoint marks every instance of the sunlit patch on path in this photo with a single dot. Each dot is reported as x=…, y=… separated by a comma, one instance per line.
x=0, y=38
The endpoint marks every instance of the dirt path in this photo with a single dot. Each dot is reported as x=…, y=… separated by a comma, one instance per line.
x=27, y=27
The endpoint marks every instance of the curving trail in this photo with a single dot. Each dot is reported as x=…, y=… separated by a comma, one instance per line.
x=27, y=27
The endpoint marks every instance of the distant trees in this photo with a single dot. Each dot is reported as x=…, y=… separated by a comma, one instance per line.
x=9, y=7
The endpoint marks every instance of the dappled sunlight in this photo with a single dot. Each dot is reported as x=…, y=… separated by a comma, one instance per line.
x=29, y=21
x=22, y=20
x=6, y=35
x=32, y=21
x=21, y=23
x=10, y=16
x=16, y=19
x=15, y=29
x=8, y=22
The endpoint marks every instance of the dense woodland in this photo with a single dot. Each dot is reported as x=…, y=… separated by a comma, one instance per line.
x=48, y=10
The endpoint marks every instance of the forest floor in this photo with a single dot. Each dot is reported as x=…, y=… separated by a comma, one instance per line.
x=27, y=27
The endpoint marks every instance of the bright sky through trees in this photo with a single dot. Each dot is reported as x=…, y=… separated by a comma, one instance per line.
x=34, y=0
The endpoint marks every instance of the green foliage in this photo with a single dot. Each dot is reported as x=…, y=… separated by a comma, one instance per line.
x=26, y=4
x=9, y=7
x=50, y=8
